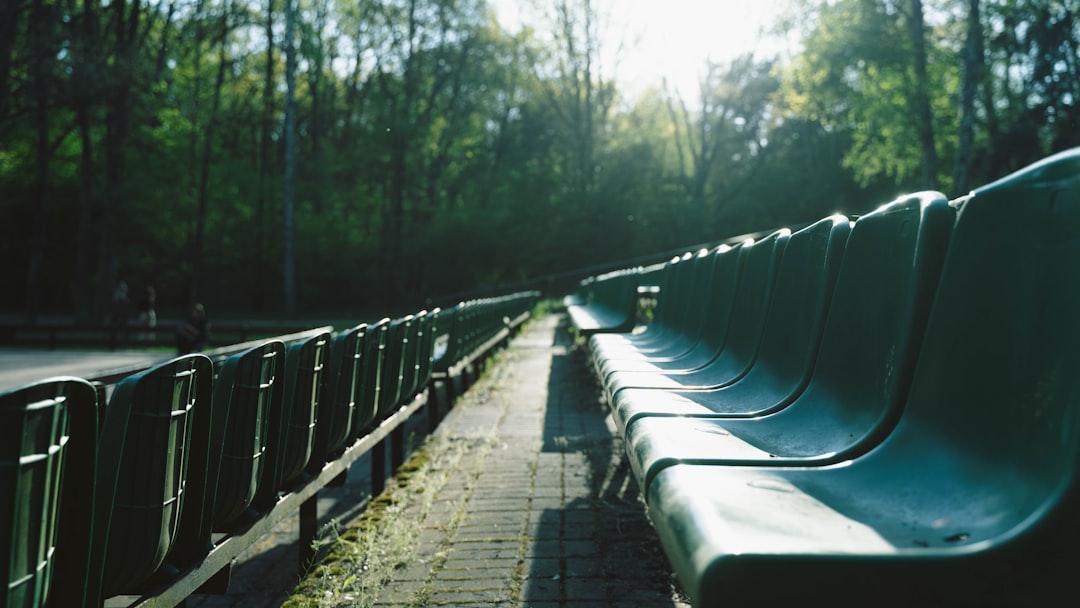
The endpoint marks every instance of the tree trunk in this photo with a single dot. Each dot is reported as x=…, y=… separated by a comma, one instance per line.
x=39, y=42
x=81, y=285
x=117, y=122
x=207, y=153
x=266, y=154
x=924, y=117
x=973, y=71
x=86, y=66
x=289, y=262
x=9, y=21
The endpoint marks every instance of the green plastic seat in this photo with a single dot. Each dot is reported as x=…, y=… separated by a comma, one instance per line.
x=248, y=388
x=789, y=340
x=673, y=280
x=393, y=367
x=972, y=499
x=35, y=429
x=875, y=321
x=685, y=333
x=293, y=434
x=410, y=369
x=607, y=303
x=704, y=337
x=735, y=356
x=145, y=459
x=76, y=555
x=449, y=325
x=421, y=359
x=371, y=377
x=340, y=394
x=426, y=360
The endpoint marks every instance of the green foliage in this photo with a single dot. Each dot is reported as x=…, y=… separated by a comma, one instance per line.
x=438, y=153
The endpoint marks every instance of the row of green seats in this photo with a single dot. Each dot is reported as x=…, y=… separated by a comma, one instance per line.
x=606, y=302
x=120, y=490
x=877, y=410
x=107, y=492
x=476, y=327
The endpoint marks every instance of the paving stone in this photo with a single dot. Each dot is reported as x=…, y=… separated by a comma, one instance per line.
x=541, y=590
x=544, y=548
x=503, y=570
x=485, y=597
x=587, y=588
x=542, y=567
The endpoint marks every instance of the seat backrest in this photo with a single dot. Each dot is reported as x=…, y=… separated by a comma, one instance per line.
x=671, y=281
x=143, y=465
x=293, y=434
x=449, y=326
x=797, y=310
x=753, y=290
x=698, y=283
x=998, y=377
x=340, y=394
x=397, y=335
x=427, y=349
x=36, y=423
x=615, y=293
x=410, y=367
x=716, y=301
x=249, y=388
x=877, y=317
x=370, y=378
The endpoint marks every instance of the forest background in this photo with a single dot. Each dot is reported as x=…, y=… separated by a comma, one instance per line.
x=402, y=150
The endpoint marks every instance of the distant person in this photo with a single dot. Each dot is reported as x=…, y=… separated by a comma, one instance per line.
x=118, y=317
x=193, y=333
x=146, y=314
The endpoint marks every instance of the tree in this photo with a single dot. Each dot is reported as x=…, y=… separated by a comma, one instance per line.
x=973, y=72
x=122, y=76
x=848, y=78
x=726, y=131
x=208, y=133
x=924, y=121
x=288, y=242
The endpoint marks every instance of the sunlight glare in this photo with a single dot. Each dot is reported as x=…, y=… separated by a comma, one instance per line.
x=670, y=39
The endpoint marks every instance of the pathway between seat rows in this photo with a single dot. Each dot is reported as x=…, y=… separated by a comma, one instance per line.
x=524, y=499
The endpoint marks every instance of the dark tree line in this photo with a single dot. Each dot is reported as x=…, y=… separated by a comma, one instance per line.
x=391, y=150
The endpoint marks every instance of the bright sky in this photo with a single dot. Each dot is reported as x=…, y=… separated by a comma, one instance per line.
x=671, y=38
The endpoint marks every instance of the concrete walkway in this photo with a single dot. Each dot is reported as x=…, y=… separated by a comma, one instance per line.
x=541, y=509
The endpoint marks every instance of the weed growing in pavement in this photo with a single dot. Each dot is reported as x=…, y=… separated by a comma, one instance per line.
x=365, y=554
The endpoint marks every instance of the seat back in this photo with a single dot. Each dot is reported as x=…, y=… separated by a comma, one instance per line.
x=371, y=378
x=671, y=281
x=998, y=377
x=293, y=434
x=410, y=369
x=753, y=290
x=246, y=387
x=701, y=281
x=610, y=300
x=876, y=321
x=797, y=310
x=449, y=325
x=426, y=359
x=35, y=430
x=143, y=466
x=715, y=305
x=397, y=335
x=340, y=393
